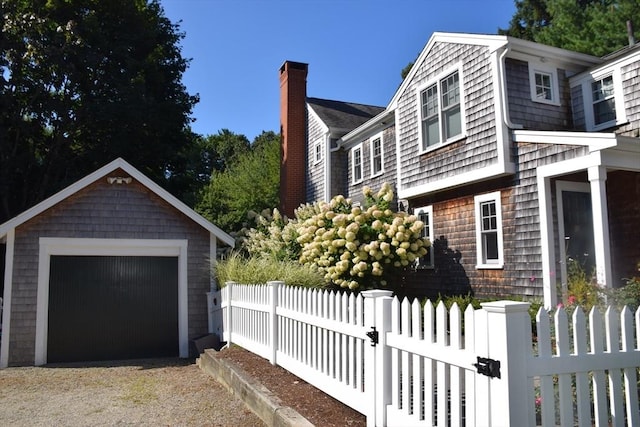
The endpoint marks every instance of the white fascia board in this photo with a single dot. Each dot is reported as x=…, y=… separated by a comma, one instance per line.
x=622, y=61
x=493, y=42
x=486, y=173
x=119, y=163
x=370, y=127
x=594, y=140
x=521, y=49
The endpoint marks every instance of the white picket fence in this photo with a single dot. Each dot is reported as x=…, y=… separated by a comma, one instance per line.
x=404, y=364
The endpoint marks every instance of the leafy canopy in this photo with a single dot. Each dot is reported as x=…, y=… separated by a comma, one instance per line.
x=596, y=27
x=250, y=181
x=81, y=83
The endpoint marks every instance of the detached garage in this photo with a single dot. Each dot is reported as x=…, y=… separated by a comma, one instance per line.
x=112, y=267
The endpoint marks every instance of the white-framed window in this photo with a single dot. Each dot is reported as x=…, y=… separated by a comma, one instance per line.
x=603, y=100
x=441, y=110
x=377, y=155
x=317, y=151
x=356, y=164
x=543, y=81
x=425, y=214
x=488, y=214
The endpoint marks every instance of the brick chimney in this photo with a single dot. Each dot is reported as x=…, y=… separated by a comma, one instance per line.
x=293, y=132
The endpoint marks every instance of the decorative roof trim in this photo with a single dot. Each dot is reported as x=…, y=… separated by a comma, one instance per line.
x=119, y=163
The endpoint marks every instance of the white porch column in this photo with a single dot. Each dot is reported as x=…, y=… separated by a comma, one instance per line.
x=546, y=242
x=597, y=178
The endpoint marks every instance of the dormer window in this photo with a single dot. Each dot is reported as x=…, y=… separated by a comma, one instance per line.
x=441, y=110
x=604, y=105
x=602, y=97
x=543, y=81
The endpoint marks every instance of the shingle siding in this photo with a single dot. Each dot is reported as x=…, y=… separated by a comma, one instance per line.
x=455, y=240
x=479, y=148
x=536, y=115
x=103, y=211
x=631, y=90
x=389, y=166
x=315, y=171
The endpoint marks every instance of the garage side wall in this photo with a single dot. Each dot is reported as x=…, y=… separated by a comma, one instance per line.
x=103, y=211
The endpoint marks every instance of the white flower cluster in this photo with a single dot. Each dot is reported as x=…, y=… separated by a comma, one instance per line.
x=355, y=247
x=273, y=235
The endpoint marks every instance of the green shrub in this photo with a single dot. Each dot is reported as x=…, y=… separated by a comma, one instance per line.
x=258, y=270
x=628, y=295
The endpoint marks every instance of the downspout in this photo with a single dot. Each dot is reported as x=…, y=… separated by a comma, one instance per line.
x=503, y=91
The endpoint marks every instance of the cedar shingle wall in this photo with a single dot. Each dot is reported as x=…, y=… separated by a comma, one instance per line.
x=103, y=211
x=631, y=89
x=536, y=115
x=389, y=166
x=315, y=171
x=454, y=231
x=479, y=148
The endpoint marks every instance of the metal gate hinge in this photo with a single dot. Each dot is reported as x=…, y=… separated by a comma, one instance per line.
x=488, y=367
x=373, y=336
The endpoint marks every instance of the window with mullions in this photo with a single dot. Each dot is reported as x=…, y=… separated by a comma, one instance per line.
x=604, y=106
x=376, y=155
x=425, y=214
x=441, y=112
x=356, y=164
x=489, y=230
x=317, y=151
x=543, y=86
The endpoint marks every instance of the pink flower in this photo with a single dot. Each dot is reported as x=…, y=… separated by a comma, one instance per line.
x=538, y=401
x=560, y=305
x=571, y=300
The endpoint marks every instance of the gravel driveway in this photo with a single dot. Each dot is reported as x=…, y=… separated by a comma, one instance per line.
x=170, y=392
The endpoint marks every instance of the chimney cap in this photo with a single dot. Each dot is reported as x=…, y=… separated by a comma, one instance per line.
x=288, y=65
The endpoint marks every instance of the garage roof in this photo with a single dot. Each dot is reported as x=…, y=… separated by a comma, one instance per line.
x=102, y=172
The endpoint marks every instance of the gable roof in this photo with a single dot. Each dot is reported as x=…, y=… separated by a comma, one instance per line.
x=342, y=117
x=102, y=172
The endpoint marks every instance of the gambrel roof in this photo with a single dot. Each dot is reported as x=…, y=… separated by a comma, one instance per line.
x=102, y=173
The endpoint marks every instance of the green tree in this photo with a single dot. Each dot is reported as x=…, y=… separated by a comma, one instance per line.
x=208, y=154
x=81, y=83
x=596, y=27
x=250, y=183
x=530, y=17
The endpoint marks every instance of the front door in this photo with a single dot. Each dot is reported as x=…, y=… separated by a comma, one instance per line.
x=575, y=224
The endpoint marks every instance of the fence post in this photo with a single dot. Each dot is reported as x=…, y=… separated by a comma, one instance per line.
x=273, y=320
x=377, y=368
x=228, y=326
x=507, y=339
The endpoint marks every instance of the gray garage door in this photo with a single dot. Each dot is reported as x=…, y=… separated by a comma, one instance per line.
x=111, y=307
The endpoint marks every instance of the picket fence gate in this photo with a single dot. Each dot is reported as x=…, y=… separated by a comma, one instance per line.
x=402, y=363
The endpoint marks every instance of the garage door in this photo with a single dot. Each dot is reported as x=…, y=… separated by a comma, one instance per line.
x=112, y=307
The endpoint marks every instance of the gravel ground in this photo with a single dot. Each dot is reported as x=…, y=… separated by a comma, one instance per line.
x=154, y=392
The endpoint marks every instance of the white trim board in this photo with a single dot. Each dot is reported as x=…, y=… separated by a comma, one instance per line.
x=108, y=247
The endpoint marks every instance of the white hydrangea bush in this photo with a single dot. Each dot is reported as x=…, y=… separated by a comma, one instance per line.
x=359, y=247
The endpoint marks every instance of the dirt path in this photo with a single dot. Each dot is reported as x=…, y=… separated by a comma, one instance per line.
x=154, y=392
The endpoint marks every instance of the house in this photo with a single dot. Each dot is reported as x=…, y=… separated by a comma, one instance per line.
x=111, y=267
x=519, y=157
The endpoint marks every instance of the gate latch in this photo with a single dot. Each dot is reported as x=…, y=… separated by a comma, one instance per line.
x=373, y=336
x=488, y=367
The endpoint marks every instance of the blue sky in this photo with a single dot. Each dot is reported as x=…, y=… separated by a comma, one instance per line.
x=355, y=49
